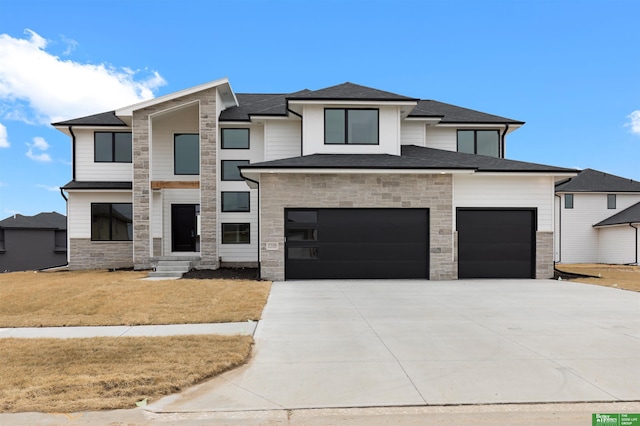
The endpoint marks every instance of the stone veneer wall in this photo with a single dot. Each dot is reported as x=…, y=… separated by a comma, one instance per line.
x=142, y=184
x=544, y=255
x=87, y=254
x=280, y=191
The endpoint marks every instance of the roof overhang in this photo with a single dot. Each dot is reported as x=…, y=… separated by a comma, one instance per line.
x=296, y=105
x=511, y=128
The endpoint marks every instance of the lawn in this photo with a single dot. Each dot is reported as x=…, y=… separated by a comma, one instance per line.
x=68, y=375
x=626, y=277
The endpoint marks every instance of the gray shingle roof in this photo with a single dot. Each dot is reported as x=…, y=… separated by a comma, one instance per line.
x=628, y=215
x=102, y=119
x=412, y=157
x=97, y=185
x=455, y=114
x=590, y=180
x=52, y=220
x=350, y=92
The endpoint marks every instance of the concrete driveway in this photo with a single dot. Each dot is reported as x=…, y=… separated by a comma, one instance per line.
x=414, y=343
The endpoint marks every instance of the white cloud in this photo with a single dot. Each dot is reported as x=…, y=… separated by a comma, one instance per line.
x=37, y=86
x=4, y=140
x=635, y=122
x=49, y=188
x=41, y=145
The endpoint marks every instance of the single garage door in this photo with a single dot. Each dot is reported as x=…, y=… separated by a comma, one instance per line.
x=356, y=243
x=496, y=243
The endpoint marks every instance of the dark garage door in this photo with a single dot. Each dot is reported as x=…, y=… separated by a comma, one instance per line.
x=496, y=243
x=356, y=243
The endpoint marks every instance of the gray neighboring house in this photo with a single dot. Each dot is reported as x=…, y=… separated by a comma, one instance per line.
x=33, y=242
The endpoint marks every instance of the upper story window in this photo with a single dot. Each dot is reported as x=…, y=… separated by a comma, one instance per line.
x=112, y=147
x=481, y=142
x=230, y=170
x=611, y=201
x=235, y=138
x=568, y=201
x=186, y=153
x=111, y=222
x=351, y=126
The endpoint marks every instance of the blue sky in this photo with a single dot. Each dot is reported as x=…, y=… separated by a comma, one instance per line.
x=569, y=69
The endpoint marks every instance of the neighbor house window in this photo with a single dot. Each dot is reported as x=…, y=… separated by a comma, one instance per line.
x=481, y=142
x=186, y=153
x=236, y=233
x=111, y=222
x=230, y=170
x=112, y=147
x=350, y=126
x=235, y=138
x=235, y=201
x=611, y=201
x=568, y=201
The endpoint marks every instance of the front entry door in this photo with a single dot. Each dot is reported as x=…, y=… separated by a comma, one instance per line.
x=183, y=227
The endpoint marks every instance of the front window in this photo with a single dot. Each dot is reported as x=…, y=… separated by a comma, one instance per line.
x=351, y=126
x=235, y=138
x=112, y=147
x=235, y=201
x=111, y=222
x=186, y=150
x=236, y=233
x=611, y=201
x=481, y=142
x=568, y=201
x=230, y=170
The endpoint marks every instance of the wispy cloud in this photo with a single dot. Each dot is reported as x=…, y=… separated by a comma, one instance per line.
x=49, y=188
x=4, y=139
x=37, y=86
x=71, y=45
x=38, y=144
x=634, y=122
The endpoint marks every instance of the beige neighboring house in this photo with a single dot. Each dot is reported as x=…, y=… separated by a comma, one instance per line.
x=346, y=181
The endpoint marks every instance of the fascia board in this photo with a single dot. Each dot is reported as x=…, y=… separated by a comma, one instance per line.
x=353, y=102
x=357, y=171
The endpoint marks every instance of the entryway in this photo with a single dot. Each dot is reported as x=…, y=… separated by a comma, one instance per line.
x=183, y=227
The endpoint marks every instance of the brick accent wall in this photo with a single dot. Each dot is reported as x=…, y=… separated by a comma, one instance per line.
x=142, y=244
x=87, y=254
x=544, y=255
x=280, y=191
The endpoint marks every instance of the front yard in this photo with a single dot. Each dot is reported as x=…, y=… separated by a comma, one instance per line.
x=626, y=277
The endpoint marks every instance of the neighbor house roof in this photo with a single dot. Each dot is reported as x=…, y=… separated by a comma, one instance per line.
x=103, y=119
x=412, y=157
x=52, y=220
x=628, y=215
x=97, y=185
x=590, y=180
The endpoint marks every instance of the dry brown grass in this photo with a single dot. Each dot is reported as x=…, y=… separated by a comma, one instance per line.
x=79, y=298
x=620, y=276
x=68, y=375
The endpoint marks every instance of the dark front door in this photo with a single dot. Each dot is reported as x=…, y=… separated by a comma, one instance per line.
x=496, y=243
x=183, y=227
x=357, y=243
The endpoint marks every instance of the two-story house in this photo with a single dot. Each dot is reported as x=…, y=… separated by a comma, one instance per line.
x=342, y=182
x=597, y=219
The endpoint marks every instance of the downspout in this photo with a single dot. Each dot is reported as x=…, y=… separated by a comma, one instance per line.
x=559, y=230
x=258, y=207
x=73, y=154
x=66, y=200
x=502, y=141
x=636, y=228
x=301, y=129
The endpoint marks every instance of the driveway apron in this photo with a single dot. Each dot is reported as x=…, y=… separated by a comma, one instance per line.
x=366, y=343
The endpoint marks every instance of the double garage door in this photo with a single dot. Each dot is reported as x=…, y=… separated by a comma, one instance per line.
x=394, y=243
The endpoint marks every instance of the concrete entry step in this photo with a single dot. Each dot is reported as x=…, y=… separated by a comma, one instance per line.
x=173, y=267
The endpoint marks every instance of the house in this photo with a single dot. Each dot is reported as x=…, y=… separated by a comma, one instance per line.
x=342, y=182
x=33, y=242
x=597, y=219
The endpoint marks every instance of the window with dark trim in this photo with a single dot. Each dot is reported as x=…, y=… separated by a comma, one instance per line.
x=235, y=201
x=568, y=201
x=230, y=170
x=186, y=153
x=235, y=139
x=111, y=222
x=236, y=233
x=301, y=230
x=611, y=201
x=112, y=147
x=480, y=142
x=351, y=126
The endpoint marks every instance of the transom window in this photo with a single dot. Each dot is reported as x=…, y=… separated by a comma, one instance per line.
x=186, y=153
x=568, y=201
x=230, y=170
x=235, y=138
x=236, y=233
x=111, y=222
x=235, y=201
x=481, y=142
x=351, y=126
x=112, y=147
x=611, y=201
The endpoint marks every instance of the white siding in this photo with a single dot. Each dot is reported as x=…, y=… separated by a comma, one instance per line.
x=282, y=139
x=506, y=191
x=617, y=244
x=88, y=170
x=412, y=133
x=79, y=209
x=445, y=138
x=579, y=240
x=175, y=196
x=241, y=252
x=156, y=214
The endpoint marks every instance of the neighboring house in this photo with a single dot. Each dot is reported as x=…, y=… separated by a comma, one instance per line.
x=597, y=219
x=342, y=182
x=33, y=242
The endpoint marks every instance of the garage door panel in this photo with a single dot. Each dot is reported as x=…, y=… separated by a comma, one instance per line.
x=383, y=252
x=354, y=269
x=485, y=269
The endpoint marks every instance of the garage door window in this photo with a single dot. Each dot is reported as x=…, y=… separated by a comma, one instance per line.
x=306, y=253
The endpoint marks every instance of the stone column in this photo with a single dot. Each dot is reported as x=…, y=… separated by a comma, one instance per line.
x=208, y=180
x=544, y=255
x=141, y=190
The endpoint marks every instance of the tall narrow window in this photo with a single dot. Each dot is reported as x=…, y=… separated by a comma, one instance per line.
x=568, y=201
x=111, y=222
x=235, y=138
x=481, y=142
x=112, y=147
x=186, y=153
x=350, y=126
x=611, y=201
